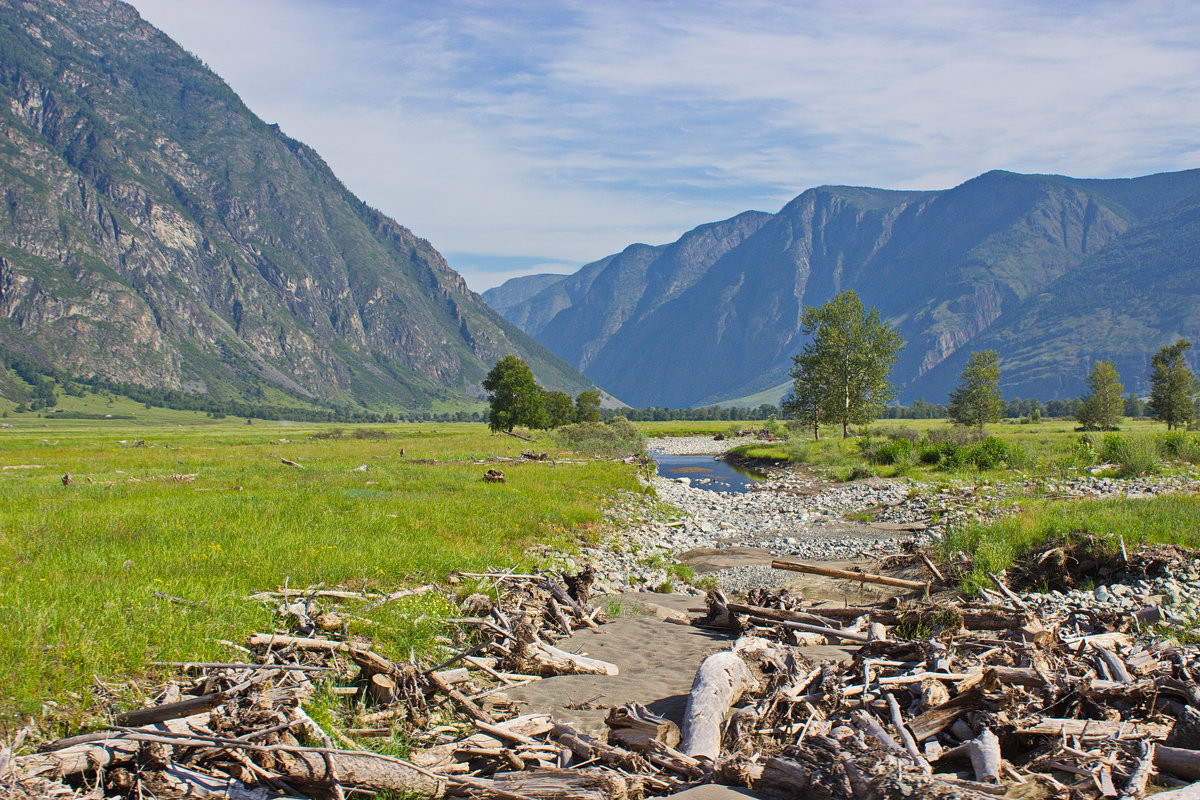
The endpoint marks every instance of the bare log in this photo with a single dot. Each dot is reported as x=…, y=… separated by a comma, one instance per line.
x=720, y=681
x=860, y=577
x=1178, y=761
x=550, y=660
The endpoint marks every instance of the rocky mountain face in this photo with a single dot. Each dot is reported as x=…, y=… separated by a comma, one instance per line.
x=948, y=268
x=155, y=231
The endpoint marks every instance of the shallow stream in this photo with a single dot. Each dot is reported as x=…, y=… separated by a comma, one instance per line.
x=705, y=472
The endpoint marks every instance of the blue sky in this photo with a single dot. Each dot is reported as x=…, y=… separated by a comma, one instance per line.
x=537, y=136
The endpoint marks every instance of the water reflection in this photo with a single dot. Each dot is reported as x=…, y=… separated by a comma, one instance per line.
x=705, y=472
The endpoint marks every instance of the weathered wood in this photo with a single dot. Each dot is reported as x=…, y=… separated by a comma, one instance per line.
x=184, y=708
x=1178, y=761
x=550, y=660
x=910, y=744
x=101, y=752
x=1135, y=787
x=721, y=679
x=851, y=636
x=636, y=726
x=1189, y=792
x=860, y=577
x=1095, y=729
x=382, y=689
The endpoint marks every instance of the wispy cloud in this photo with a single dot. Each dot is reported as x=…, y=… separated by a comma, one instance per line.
x=566, y=130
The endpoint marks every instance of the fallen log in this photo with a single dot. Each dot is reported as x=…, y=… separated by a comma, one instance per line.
x=860, y=577
x=102, y=751
x=549, y=660
x=1095, y=729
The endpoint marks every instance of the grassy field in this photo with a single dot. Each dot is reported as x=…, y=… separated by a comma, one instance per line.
x=205, y=511
x=1169, y=519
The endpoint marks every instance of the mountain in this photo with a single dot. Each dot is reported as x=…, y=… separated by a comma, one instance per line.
x=1120, y=305
x=946, y=267
x=515, y=291
x=154, y=231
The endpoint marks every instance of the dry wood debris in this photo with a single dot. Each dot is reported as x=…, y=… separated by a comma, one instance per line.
x=940, y=698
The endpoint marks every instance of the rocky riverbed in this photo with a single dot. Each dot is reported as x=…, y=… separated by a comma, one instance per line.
x=797, y=514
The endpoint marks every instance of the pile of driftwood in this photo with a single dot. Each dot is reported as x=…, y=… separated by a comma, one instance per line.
x=929, y=697
x=946, y=699
x=239, y=729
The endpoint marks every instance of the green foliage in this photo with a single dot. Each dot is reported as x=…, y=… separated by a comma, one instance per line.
x=976, y=401
x=994, y=453
x=889, y=451
x=587, y=406
x=559, y=409
x=514, y=397
x=1104, y=406
x=617, y=438
x=1173, y=386
x=841, y=375
x=120, y=540
x=1133, y=455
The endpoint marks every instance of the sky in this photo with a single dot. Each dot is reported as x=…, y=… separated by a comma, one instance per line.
x=525, y=137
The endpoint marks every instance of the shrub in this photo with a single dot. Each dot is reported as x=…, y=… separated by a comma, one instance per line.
x=1172, y=443
x=897, y=432
x=616, y=438
x=1133, y=455
x=993, y=452
x=957, y=434
x=890, y=451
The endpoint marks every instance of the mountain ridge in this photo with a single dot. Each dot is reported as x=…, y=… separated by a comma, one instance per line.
x=157, y=232
x=944, y=266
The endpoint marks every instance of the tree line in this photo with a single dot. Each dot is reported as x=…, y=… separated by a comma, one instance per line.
x=842, y=377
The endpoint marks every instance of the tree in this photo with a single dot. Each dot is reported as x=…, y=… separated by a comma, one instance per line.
x=514, y=397
x=804, y=403
x=1173, y=386
x=976, y=401
x=587, y=406
x=559, y=409
x=842, y=373
x=1105, y=406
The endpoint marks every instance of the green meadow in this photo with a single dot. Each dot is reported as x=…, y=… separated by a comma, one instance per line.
x=206, y=511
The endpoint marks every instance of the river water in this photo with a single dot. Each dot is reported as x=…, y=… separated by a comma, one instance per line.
x=706, y=472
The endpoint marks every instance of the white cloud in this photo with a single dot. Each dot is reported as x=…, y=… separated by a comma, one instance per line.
x=567, y=130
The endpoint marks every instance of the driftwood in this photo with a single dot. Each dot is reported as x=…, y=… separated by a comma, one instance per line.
x=549, y=660
x=860, y=577
x=721, y=679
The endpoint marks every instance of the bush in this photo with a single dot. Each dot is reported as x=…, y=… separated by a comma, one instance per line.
x=890, y=451
x=1172, y=443
x=957, y=434
x=616, y=438
x=993, y=453
x=1133, y=455
x=898, y=432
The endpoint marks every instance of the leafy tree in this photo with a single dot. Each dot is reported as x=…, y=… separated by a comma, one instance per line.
x=514, y=397
x=587, y=406
x=843, y=370
x=559, y=409
x=1105, y=406
x=976, y=401
x=804, y=403
x=1134, y=406
x=1173, y=386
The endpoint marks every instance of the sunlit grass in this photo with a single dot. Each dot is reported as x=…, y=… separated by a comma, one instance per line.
x=80, y=564
x=997, y=546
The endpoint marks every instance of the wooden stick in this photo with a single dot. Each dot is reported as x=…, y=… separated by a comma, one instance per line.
x=821, y=629
x=239, y=665
x=429, y=587
x=861, y=577
x=910, y=744
x=937, y=573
